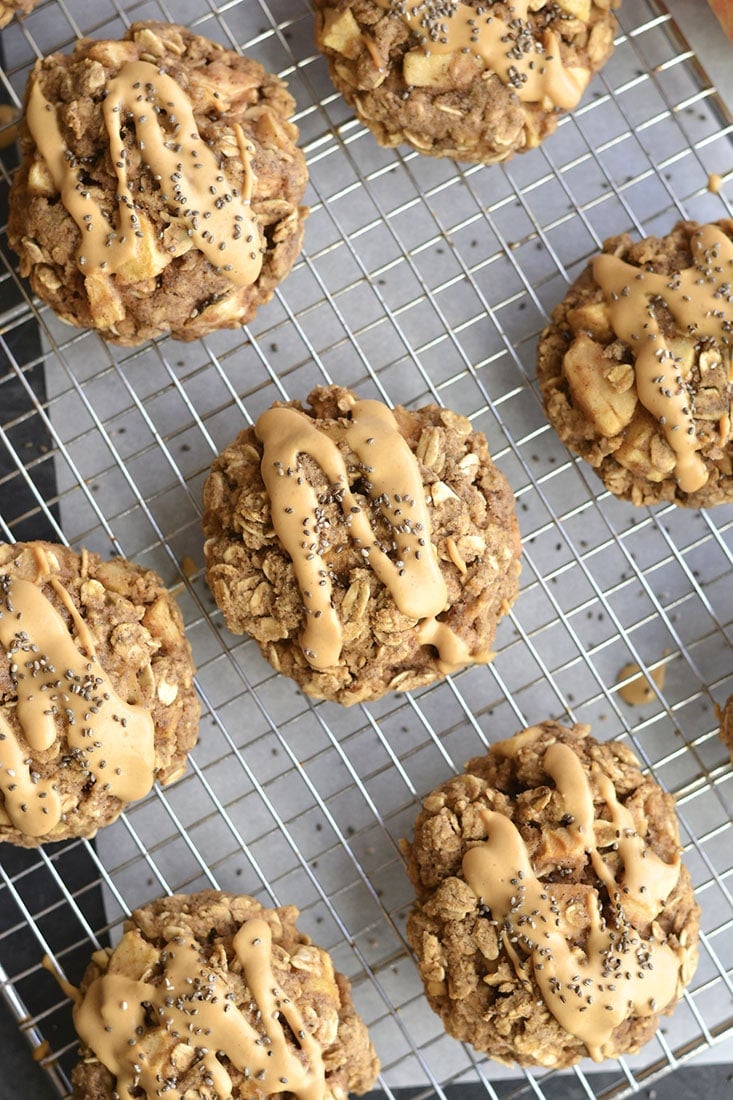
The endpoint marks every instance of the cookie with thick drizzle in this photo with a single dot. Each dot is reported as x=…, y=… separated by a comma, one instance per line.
x=366, y=549
x=96, y=690
x=554, y=919
x=636, y=369
x=213, y=995
x=160, y=185
x=475, y=81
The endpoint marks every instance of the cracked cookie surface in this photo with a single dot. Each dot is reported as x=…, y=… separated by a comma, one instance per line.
x=636, y=371
x=160, y=185
x=96, y=690
x=473, y=81
x=553, y=918
x=273, y=1018
x=391, y=562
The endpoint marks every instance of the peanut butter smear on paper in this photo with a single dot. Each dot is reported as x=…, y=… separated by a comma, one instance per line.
x=408, y=567
x=589, y=992
x=639, y=691
x=216, y=215
x=523, y=57
x=59, y=687
x=141, y=1031
x=700, y=299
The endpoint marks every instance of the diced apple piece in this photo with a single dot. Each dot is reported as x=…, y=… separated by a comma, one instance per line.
x=133, y=957
x=710, y=404
x=341, y=33
x=578, y=8
x=224, y=310
x=113, y=54
x=105, y=302
x=431, y=71
x=40, y=180
x=684, y=354
x=160, y=622
x=148, y=260
x=607, y=409
x=634, y=453
x=593, y=318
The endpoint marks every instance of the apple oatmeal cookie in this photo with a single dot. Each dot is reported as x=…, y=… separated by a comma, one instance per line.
x=365, y=549
x=636, y=370
x=212, y=995
x=160, y=185
x=96, y=690
x=474, y=81
x=553, y=918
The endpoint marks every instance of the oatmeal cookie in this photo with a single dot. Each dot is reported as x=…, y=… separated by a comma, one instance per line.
x=160, y=185
x=473, y=81
x=726, y=726
x=96, y=690
x=553, y=918
x=9, y=8
x=635, y=369
x=365, y=549
x=273, y=1016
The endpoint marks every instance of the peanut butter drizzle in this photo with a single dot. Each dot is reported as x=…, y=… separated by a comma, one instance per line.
x=67, y=988
x=390, y=472
x=527, y=60
x=639, y=690
x=216, y=216
x=699, y=298
x=134, y=1027
x=453, y=653
x=620, y=973
x=57, y=686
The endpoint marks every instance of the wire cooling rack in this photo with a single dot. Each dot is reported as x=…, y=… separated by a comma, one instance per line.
x=421, y=281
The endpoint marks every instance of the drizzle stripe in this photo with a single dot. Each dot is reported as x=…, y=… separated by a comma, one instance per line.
x=620, y=973
x=126, y=1021
x=530, y=63
x=699, y=298
x=59, y=689
x=395, y=488
x=197, y=193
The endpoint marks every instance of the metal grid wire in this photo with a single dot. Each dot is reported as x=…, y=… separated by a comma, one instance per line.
x=421, y=281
